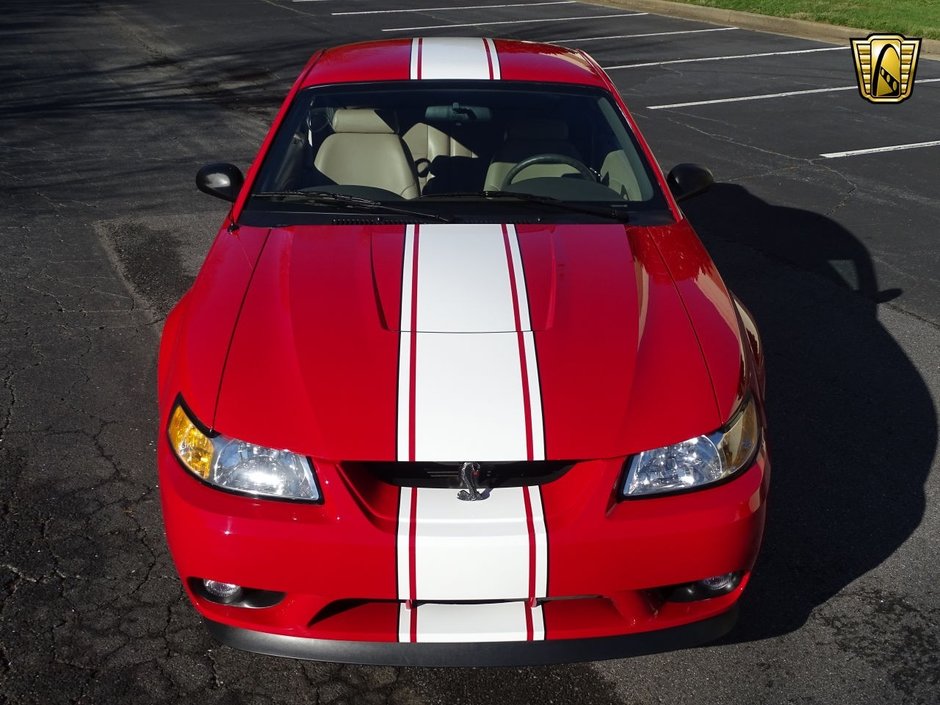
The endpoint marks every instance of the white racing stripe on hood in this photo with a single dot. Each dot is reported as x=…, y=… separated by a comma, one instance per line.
x=464, y=281
x=454, y=58
x=468, y=387
x=469, y=402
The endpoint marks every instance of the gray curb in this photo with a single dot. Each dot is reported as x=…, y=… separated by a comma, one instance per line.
x=835, y=34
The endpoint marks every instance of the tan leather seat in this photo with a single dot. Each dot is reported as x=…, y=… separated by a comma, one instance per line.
x=426, y=143
x=525, y=139
x=364, y=150
x=618, y=173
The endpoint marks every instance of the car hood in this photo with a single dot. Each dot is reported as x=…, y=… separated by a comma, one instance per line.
x=470, y=342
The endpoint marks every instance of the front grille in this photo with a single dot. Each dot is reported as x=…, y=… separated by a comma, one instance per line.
x=447, y=475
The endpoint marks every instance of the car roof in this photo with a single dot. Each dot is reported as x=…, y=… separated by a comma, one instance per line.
x=452, y=58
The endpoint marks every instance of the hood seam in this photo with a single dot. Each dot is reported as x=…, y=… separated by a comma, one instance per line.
x=238, y=316
x=675, y=286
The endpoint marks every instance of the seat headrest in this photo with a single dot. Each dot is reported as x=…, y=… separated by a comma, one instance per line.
x=538, y=129
x=360, y=120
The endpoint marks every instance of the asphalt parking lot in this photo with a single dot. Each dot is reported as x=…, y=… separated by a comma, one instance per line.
x=108, y=108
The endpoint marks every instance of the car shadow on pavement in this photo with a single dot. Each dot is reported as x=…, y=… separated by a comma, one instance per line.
x=851, y=422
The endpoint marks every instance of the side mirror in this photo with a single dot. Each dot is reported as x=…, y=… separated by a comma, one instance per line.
x=687, y=180
x=220, y=180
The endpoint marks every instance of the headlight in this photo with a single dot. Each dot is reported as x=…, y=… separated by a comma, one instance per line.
x=698, y=461
x=240, y=466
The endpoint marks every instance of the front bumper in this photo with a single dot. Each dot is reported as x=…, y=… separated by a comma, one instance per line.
x=608, y=563
x=514, y=653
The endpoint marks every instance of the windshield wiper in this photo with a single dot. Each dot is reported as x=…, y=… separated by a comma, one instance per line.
x=610, y=212
x=344, y=200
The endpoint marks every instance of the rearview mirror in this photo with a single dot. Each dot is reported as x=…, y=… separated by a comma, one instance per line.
x=221, y=180
x=458, y=113
x=687, y=180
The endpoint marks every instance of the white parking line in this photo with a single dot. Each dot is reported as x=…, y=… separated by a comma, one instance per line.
x=459, y=7
x=766, y=96
x=724, y=58
x=763, y=96
x=544, y=19
x=876, y=150
x=637, y=36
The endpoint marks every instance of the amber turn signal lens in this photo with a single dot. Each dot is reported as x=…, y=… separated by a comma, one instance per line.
x=740, y=440
x=190, y=444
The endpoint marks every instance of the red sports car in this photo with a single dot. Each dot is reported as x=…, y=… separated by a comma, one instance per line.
x=458, y=383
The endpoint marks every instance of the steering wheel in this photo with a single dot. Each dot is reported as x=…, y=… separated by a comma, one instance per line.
x=547, y=158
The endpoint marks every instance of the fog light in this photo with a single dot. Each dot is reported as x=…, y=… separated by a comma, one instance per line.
x=704, y=589
x=720, y=584
x=223, y=592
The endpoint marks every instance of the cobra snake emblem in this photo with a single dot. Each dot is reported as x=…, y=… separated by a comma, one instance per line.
x=469, y=474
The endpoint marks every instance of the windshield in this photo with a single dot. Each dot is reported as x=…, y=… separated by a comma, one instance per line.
x=465, y=149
